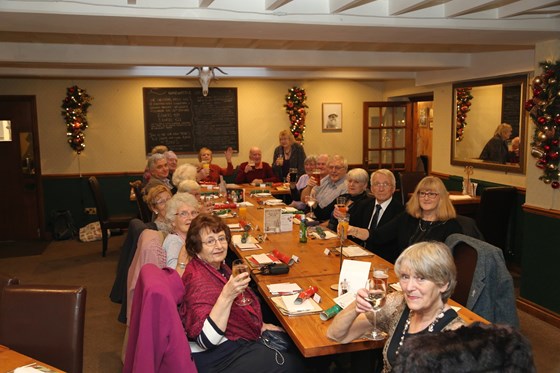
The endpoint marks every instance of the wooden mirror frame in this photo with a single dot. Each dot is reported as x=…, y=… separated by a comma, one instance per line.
x=522, y=81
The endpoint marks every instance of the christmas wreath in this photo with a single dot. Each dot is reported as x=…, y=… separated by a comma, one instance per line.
x=544, y=109
x=463, y=103
x=74, y=111
x=295, y=108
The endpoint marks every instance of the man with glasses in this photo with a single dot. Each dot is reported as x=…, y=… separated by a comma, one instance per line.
x=332, y=186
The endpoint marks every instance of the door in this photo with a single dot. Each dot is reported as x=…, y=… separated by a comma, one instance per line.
x=21, y=210
x=387, y=136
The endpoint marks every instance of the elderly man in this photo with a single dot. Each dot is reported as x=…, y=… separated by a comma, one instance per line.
x=255, y=170
x=332, y=186
x=382, y=210
x=159, y=171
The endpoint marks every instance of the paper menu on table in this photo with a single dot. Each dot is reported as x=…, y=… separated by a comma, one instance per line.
x=328, y=235
x=235, y=227
x=355, y=251
x=251, y=243
x=355, y=273
x=284, y=288
x=286, y=305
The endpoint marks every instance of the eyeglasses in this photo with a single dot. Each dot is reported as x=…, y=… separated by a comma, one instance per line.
x=430, y=195
x=338, y=168
x=379, y=185
x=222, y=240
x=187, y=214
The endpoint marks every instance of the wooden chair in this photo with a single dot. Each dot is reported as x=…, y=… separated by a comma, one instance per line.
x=105, y=220
x=408, y=182
x=143, y=210
x=465, y=257
x=45, y=322
x=494, y=215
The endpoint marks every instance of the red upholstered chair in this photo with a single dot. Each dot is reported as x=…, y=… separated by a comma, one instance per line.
x=45, y=322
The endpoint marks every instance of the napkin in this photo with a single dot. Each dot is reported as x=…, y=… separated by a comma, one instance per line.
x=27, y=370
x=274, y=202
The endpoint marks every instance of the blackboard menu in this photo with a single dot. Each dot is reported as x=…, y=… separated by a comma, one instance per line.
x=511, y=107
x=185, y=120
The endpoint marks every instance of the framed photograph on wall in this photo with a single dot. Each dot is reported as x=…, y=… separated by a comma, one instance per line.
x=332, y=117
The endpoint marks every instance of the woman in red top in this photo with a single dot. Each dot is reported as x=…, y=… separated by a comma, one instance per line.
x=215, y=171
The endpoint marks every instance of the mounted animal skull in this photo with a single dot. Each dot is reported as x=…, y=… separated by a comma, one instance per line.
x=205, y=76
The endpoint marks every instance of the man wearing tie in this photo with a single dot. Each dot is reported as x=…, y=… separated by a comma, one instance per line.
x=381, y=210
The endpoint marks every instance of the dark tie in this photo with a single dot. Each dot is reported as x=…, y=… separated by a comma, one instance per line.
x=375, y=216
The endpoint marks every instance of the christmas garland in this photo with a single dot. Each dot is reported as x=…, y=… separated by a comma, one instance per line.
x=463, y=103
x=74, y=111
x=295, y=108
x=544, y=109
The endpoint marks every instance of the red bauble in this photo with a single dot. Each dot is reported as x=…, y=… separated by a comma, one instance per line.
x=553, y=155
x=537, y=91
x=541, y=164
x=529, y=105
x=555, y=142
x=557, y=119
x=555, y=185
x=541, y=120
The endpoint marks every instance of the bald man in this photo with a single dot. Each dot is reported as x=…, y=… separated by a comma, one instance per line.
x=255, y=170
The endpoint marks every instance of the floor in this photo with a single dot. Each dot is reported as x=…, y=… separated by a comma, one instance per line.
x=72, y=262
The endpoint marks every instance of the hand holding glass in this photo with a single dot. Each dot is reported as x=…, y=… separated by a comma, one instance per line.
x=311, y=201
x=377, y=291
x=239, y=266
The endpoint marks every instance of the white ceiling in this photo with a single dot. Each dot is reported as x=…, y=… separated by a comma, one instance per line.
x=356, y=39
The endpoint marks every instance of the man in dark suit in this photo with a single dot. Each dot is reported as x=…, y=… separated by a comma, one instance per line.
x=382, y=187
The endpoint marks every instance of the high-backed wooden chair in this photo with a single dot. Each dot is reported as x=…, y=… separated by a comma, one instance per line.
x=494, y=215
x=105, y=220
x=465, y=258
x=143, y=210
x=45, y=322
x=408, y=182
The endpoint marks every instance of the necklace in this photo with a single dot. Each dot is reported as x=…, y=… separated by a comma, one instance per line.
x=430, y=327
x=424, y=225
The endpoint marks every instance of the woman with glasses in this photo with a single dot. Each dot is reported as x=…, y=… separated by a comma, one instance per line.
x=179, y=213
x=223, y=334
x=429, y=216
x=156, y=199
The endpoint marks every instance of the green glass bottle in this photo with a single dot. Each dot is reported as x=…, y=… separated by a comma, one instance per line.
x=303, y=231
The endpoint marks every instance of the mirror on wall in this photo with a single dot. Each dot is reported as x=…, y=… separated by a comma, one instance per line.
x=478, y=138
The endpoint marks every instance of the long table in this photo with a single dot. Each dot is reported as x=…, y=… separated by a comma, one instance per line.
x=314, y=268
x=10, y=360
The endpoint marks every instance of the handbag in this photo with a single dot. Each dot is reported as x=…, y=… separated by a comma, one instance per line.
x=278, y=342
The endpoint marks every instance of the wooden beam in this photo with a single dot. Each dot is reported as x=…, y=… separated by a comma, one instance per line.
x=456, y=8
x=524, y=6
x=337, y=6
x=397, y=7
x=204, y=3
x=275, y=4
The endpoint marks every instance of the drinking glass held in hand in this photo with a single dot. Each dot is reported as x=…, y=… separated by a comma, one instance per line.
x=311, y=202
x=238, y=267
x=377, y=291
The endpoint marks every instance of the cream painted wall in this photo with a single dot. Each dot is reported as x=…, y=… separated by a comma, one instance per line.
x=538, y=193
x=443, y=127
x=115, y=137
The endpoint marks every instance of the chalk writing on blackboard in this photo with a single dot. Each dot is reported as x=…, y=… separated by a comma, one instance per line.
x=185, y=120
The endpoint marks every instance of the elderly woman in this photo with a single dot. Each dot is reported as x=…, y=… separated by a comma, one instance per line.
x=289, y=154
x=156, y=200
x=496, y=149
x=179, y=213
x=214, y=171
x=309, y=164
x=429, y=216
x=357, y=200
x=427, y=276
x=223, y=335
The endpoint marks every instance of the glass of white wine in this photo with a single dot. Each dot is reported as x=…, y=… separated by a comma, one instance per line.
x=311, y=202
x=238, y=267
x=377, y=291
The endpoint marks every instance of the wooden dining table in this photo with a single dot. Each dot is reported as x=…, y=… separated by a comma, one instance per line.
x=319, y=265
x=10, y=360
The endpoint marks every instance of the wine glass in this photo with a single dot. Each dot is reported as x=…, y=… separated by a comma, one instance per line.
x=311, y=202
x=239, y=266
x=377, y=290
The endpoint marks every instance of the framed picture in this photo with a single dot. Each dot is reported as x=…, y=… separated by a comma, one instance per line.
x=423, y=117
x=332, y=117
x=431, y=118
